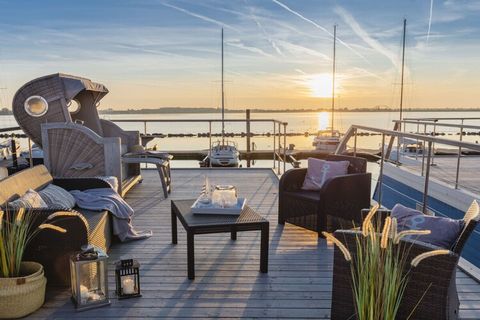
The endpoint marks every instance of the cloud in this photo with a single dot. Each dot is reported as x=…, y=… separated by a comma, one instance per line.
x=363, y=34
x=199, y=16
x=430, y=20
x=238, y=44
x=267, y=36
x=284, y=6
x=295, y=48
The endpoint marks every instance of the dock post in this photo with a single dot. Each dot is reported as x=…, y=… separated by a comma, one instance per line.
x=248, y=137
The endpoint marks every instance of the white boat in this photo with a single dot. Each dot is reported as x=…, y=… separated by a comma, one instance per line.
x=328, y=140
x=223, y=153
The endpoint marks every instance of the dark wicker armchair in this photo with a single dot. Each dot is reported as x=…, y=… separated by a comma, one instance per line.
x=337, y=205
x=433, y=278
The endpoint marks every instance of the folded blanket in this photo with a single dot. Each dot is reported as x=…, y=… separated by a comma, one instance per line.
x=108, y=199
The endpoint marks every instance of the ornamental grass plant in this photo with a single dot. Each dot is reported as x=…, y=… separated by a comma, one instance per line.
x=17, y=229
x=379, y=267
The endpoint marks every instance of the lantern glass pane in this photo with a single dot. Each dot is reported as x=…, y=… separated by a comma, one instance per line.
x=92, y=282
x=129, y=284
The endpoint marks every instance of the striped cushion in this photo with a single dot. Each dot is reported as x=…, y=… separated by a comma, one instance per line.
x=31, y=199
x=57, y=197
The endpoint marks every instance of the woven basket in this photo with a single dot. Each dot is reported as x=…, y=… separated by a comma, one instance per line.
x=23, y=295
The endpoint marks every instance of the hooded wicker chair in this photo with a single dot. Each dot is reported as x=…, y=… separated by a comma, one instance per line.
x=432, y=281
x=75, y=142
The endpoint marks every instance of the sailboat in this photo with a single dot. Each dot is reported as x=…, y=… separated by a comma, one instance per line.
x=223, y=153
x=327, y=140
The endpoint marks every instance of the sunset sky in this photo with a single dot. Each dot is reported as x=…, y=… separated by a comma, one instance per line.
x=277, y=52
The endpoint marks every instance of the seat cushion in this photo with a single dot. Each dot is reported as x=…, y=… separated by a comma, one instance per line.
x=444, y=232
x=313, y=196
x=319, y=171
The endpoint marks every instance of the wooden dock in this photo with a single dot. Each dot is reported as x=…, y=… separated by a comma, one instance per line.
x=228, y=283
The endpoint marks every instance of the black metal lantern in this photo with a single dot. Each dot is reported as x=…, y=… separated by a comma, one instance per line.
x=127, y=278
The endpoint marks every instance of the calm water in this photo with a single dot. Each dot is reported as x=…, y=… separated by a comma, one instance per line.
x=297, y=123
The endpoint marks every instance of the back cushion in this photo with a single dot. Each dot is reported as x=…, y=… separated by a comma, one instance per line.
x=31, y=199
x=319, y=171
x=17, y=185
x=56, y=197
x=444, y=231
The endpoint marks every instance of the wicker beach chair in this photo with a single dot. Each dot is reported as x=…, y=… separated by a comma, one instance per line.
x=432, y=282
x=75, y=141
x=337, y=205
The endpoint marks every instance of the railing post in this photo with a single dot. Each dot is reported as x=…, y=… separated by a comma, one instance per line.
x=30, y=154
x=145, y=127
x=210, y=143
x=427, y=177
x=279, y=147
x=355, y=142
x=433, y=145
x=423, y=150
x=248, y=137
x=284, y=146
x=274, y=142
x=458, y=157
x=380, y=177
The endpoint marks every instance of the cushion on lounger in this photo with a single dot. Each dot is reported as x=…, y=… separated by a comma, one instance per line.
x=31, y=199
x=57, y=197
x=444, y=231
x=319, y=171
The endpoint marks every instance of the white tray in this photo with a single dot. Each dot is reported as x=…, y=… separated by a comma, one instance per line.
x=200, y=208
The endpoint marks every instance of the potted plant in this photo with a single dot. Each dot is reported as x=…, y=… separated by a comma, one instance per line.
x=379, y=267
x=22, y=283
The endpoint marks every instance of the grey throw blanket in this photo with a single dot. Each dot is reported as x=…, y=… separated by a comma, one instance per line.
x=108, y=199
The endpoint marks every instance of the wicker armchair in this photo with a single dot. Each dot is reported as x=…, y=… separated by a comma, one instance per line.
x=337, y=205
x=434, y=278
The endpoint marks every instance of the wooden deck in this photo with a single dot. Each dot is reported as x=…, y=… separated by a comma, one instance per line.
x=228, y=283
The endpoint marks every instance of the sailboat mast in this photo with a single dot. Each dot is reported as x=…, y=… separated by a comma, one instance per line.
x=223, y=101
x=403, y=71
x=333, y=73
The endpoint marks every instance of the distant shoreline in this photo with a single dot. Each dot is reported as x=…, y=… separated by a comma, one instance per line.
x=180, y=110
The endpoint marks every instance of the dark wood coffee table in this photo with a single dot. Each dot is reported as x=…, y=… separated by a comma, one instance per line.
x=194, y=224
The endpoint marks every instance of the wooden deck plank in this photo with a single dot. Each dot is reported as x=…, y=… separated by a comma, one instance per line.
x=228, y=283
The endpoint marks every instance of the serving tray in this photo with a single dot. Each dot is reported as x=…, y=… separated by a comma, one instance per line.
x=201, y=208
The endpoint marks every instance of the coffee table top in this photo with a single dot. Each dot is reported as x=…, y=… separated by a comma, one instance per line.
x=184, y=213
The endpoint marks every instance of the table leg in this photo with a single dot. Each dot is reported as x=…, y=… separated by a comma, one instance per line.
x=190, y=256
x=264, y=247
x=174, y=226
x=233, y=234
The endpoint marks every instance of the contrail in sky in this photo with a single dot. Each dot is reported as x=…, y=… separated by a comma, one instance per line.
x=284, y=6
x=363, y=34
x=430, y=20
x=199, y=16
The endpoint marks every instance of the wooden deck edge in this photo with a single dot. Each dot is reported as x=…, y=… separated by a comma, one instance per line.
x=470, y=269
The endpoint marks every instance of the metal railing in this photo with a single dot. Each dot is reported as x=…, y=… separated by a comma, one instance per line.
x=427, y=155
x=279, y=154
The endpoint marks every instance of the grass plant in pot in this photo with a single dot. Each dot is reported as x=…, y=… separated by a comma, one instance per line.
x=22, y=283
x=379, y=268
